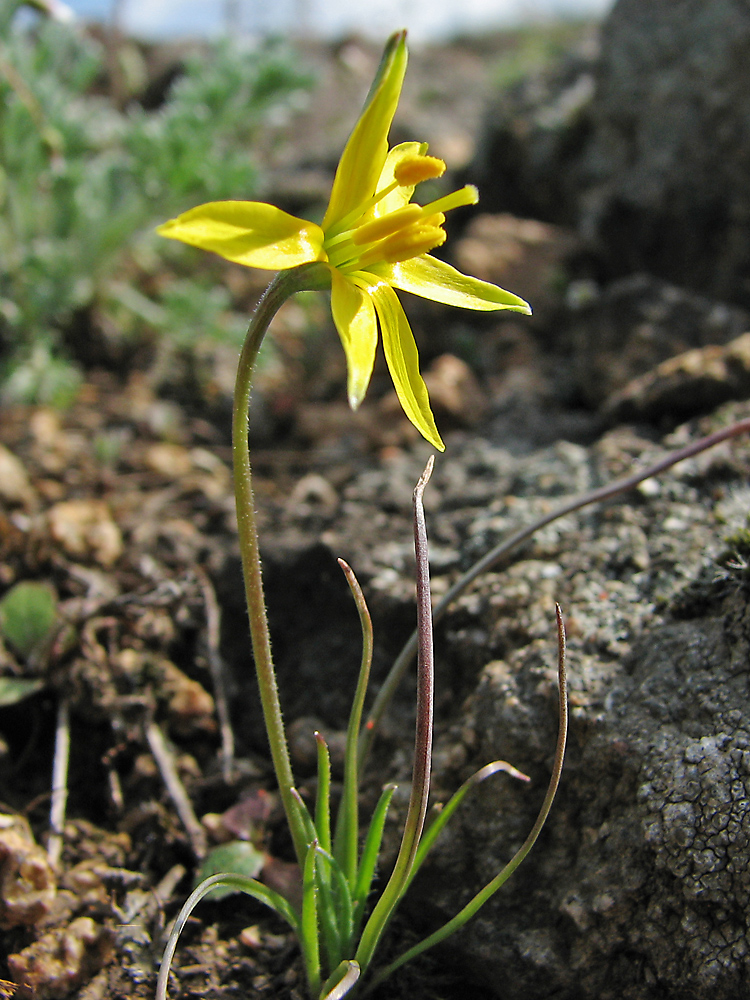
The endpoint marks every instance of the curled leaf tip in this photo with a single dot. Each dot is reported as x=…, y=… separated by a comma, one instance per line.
x=425, y=477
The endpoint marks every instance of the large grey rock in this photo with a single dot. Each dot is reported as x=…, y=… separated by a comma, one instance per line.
x=633, y=324
x=638, y=888
x=666, y=172
x=641, y=887
x=645, y=149
x=531, y=139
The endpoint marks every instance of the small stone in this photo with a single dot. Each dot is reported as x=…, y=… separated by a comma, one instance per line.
x=250, y=937
x=15, y=487
x=27, y=880
x=190, y=706
x=59, y=962
x=169, y=460
x=454, y=389
x=85, y=529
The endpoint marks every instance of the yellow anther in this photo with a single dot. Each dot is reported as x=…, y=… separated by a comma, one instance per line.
x=435, y=219
x=404, y=245
x=413, y=244
x=415, y=169
x=378, y=229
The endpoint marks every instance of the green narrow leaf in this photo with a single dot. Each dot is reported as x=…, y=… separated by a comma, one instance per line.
x=247, y=885
x=502, y=877
x=340, y=981
x=347, y=822
x=308, y=926
x=306, y=820
x=323, y=799
x=341, y=899
x=15, y=689
x=420, y=782
x=370, y=853
x=436, y=827
x=328, y=912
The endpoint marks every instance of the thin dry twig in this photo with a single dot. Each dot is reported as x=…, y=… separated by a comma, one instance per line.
x=163, y=890
x=59, y=782
x=165, y=762
x=218, y=673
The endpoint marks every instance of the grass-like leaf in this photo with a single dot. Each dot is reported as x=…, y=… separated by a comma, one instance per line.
x=323, y=798
x=308, y=925
x=435, y=828
x=347, y=824
x=233, y=882
x=502, y=877
x=370, y=853
x=328, y=916
x=305, y=819
x=420, y=783
x=340, y=981
x=337, y=898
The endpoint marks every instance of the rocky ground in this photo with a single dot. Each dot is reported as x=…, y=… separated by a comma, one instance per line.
x=121, y=508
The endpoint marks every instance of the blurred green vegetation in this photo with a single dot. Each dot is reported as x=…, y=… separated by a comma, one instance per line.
x=533, y=49
x=85, y=175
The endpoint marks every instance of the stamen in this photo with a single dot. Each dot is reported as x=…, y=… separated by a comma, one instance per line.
x=437, y=219
x=379, y=195
x=344, y=255
x=356, y=213
x=412, y=170
x=378, y=229
x=331, y=242
x=464, y=196
x=403, y=245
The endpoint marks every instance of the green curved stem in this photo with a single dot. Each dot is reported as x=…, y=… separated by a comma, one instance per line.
x=285, y=284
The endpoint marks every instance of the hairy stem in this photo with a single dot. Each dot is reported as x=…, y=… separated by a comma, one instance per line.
x=285, y=284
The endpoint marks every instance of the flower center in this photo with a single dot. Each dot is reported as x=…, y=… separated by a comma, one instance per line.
x=359, y=240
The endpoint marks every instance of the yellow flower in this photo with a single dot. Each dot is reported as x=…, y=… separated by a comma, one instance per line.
x=373, y=239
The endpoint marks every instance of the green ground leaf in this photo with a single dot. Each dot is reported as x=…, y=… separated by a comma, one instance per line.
x=238, y=857
x=27, y=616
x=15, y=689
